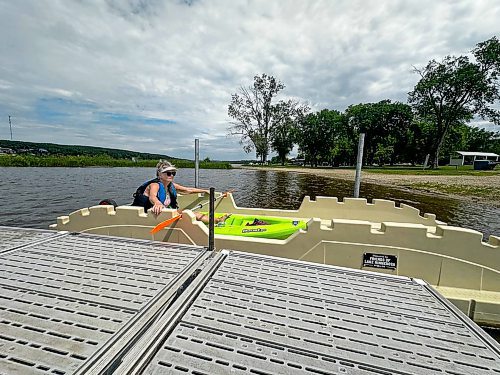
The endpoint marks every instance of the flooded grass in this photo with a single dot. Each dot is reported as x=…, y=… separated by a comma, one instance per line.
x=462, y=189
x=465, y=170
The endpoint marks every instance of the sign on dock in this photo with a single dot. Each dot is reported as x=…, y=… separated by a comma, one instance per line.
x=384, y=261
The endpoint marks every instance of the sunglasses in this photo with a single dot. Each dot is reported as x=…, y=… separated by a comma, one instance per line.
x=169, y=173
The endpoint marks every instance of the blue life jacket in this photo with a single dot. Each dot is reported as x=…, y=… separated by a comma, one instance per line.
x=143, y=201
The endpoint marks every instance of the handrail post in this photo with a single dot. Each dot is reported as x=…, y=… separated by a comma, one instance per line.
x=359, y=163
x=196, y=162
x=211, y=220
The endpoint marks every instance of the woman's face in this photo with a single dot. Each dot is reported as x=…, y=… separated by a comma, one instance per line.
x=167, y=176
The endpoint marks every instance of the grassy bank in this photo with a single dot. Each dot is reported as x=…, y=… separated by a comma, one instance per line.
x=466, y=170
x=457, y=190
x=95, y=161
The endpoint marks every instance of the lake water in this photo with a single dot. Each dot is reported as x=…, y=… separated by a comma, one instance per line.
x=35, y=197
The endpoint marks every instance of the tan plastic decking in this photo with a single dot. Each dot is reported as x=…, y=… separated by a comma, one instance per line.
x=455, y=260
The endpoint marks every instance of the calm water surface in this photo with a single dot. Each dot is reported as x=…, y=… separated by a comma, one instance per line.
x=35, y=197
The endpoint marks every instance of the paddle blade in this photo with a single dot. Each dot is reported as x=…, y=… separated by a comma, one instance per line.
x=224, y=195
x=165, y=224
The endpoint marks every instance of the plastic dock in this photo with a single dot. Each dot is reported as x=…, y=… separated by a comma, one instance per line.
x=86, y=304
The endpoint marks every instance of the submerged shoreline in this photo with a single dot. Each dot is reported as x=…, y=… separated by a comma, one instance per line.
x=485, y=189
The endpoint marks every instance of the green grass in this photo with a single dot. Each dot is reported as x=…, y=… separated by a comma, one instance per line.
x=466, y=170
x=95, y=161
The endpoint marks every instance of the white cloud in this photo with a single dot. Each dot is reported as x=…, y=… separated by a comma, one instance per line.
x=106, y=73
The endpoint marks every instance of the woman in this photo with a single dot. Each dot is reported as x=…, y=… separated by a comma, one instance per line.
x=161, y=192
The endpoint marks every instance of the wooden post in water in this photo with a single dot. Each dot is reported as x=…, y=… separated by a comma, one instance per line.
x=196, y=162
x=359, y=164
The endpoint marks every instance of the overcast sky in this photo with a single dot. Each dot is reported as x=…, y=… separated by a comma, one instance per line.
x=153, y=75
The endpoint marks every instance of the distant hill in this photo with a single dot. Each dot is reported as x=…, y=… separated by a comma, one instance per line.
x=21, y=147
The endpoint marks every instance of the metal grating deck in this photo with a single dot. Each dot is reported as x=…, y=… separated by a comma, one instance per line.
x=61, y=300
x=260, y=315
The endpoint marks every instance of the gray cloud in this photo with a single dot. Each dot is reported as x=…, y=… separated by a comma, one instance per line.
x=153, y=75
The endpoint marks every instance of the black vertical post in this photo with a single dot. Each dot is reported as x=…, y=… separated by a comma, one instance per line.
x=211, y=220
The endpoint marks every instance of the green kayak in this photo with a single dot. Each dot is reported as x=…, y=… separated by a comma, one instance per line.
x=259, y=226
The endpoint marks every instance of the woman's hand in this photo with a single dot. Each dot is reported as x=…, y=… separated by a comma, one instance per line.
x=157, y=208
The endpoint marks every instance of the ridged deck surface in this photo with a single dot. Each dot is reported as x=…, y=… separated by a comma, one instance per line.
x=12, y=238
x=266, y=316
x=67, y=300
x=62, y=299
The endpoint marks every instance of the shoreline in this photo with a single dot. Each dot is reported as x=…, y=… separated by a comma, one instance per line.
x=455, y=187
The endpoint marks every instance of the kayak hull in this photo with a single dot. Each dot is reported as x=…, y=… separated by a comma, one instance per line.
x=270, y=227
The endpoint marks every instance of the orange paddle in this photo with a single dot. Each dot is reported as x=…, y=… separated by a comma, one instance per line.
x=165, y=224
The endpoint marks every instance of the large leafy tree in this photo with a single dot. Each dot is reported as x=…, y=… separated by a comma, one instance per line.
x=316, y=135
x=283, y=137
x=387, y=128
x=478, y=139
x=495, y=144
x=344, y=149
x=421, y=138
x=456, y=89
x=467, y=138
x=255, y=115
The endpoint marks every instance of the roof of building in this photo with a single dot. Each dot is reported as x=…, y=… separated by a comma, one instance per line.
x=472, y=153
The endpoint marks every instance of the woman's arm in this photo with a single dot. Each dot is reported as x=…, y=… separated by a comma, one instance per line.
x=189, y=190
x=157, y=205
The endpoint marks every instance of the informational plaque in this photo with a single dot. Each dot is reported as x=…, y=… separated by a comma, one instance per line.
x=385, y=261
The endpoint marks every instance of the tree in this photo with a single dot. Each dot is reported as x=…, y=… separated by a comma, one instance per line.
x=255, y=115
x=451, y=92
x=344, y=148
x=387, y=128
x=283, y=138
x=316, y=135
x=495, y=144
x=478, y=139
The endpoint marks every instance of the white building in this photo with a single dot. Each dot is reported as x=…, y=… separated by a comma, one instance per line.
x=469, y=157
x=5, y=150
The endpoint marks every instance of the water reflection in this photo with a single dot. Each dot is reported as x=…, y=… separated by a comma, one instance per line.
x=34, y=197
x=286, y=190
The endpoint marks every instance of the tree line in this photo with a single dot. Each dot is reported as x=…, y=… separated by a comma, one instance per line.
x=27, y=160
x=434, y=122
x=22, y=147
x=33, y=154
